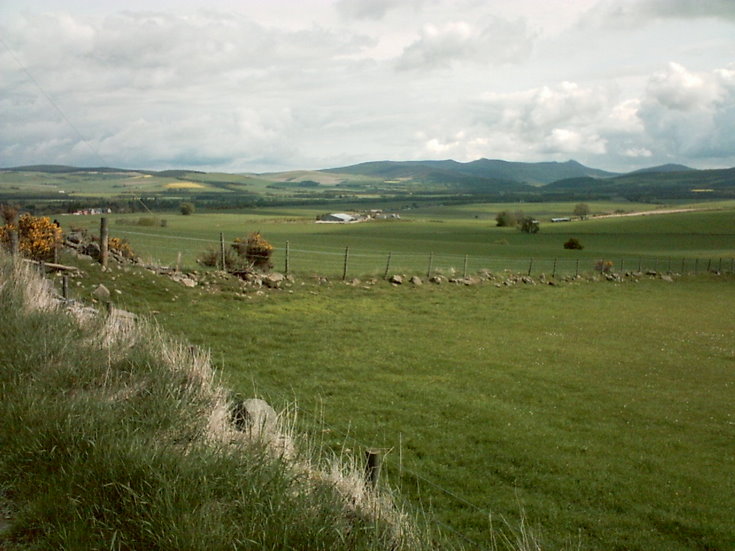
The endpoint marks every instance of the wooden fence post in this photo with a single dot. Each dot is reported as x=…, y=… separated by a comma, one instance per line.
x=222, y=250
x=286, y=267
x=530, y=266
x=387, y=266
x=344, y=268
x=576, y=269
x=553, y=270
x=709, y=264
x=464, y=272
x=696, y=266
x=373, y=463
x=683, y=261
x=622, y=264
x=640, y=260
x=104, y=246
x=431, y=262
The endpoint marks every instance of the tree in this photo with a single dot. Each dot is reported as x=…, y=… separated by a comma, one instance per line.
x=529, y=225
x=573, y=243
x=582, y=210
x=507, y=218
x=187, y=208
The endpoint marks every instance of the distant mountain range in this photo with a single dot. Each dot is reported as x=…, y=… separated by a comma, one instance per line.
x=483, y=177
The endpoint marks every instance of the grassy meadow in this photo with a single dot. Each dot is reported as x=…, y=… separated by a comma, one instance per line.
x=598, y=411
x=441, y=237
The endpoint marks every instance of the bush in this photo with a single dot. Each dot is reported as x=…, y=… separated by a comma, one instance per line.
x=529, y=225
x=604, y=266
x=121, y=247
x=573, y=243
x=256, y=250
x=507, y=218
x=37, y=236
x=212, y=258
x=187, y=208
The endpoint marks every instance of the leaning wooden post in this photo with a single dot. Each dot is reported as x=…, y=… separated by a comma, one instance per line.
x=719, y=267
x=431, y=262
x=286, y=261
x=104, y=245
x=222, y=250
x=553, y=270
x=530, y=266
x=344, y=267
x=709, y=264
x=65, y=287
x=373, y=463
x=387, y=266
x=464, y=273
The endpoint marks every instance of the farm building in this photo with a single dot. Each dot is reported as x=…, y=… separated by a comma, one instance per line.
x=565, y=219
x=338, y=217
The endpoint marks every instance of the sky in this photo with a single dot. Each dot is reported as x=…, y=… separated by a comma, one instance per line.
x=263, y=86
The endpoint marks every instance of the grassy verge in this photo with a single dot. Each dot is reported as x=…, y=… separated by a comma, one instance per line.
x=114, y=436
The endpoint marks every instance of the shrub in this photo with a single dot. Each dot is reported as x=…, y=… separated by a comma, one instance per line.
x=256, y=250
x=506, y=218
x=604, y=266
x=529, y=225
x=37, y=236
x=573, y=243
x=187, y=208
x=212, y=258
x=121, y=247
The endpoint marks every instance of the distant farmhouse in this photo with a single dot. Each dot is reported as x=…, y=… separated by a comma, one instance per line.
x=564, y=219
x=337, y=217
x=344, y=218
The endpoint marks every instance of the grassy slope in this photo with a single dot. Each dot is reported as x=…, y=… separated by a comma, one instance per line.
x=128, y=446
x=603, y=410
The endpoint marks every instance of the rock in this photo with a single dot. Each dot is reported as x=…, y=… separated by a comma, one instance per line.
x=74, y=237
x=255, y=416
x=273, y=280
x=416, y=280
x=667, y=278
x=396, y=279
x=437, y=279
x=92, y=249
x=101, y=293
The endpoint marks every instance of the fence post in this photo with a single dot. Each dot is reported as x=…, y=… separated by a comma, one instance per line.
x=719, y=266
x=344, y=268
x=622, y=265
x=530, y=266
x=286, y=267
x=178, y=261
x=709, y=264
x=431, y=261
x=639, y=263
x=553, y=270
x=655, y=264
x=373, y=462
x=464, y=273
x=222, y=250
x=576, y=269
x=65, y=287
x=696, y=266
x=104, y=247
x=387, y=266
x=683, y=260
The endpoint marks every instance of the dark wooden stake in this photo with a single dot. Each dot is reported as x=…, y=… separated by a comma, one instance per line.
x=530, y=266
x=286, y=267
x=344, y=268
x=553, y=270
x=431, y=262
x=464, y=273
x=373, y=463
x=222, y=250
x=387, y=266
x=104, y=245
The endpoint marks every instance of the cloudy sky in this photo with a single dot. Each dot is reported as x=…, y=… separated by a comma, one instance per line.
x=246, y=85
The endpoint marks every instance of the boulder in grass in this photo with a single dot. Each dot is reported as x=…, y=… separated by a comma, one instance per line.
x=255, y=416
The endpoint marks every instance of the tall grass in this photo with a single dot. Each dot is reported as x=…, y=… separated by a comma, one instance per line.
x=115, y=436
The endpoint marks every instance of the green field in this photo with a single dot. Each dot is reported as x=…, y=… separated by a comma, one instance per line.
x=440, y=237
x=600, y=411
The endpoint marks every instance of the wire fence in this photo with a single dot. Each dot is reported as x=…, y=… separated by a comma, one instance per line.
x=352, y=262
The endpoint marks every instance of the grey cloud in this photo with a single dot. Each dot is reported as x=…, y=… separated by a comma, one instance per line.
x=496, y=42
x=375, y=9
x=624, y=14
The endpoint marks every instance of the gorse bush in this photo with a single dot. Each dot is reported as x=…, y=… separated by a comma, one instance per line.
x=37, y=236
x=114, y=436
x=573, y=244
x=256, y=250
